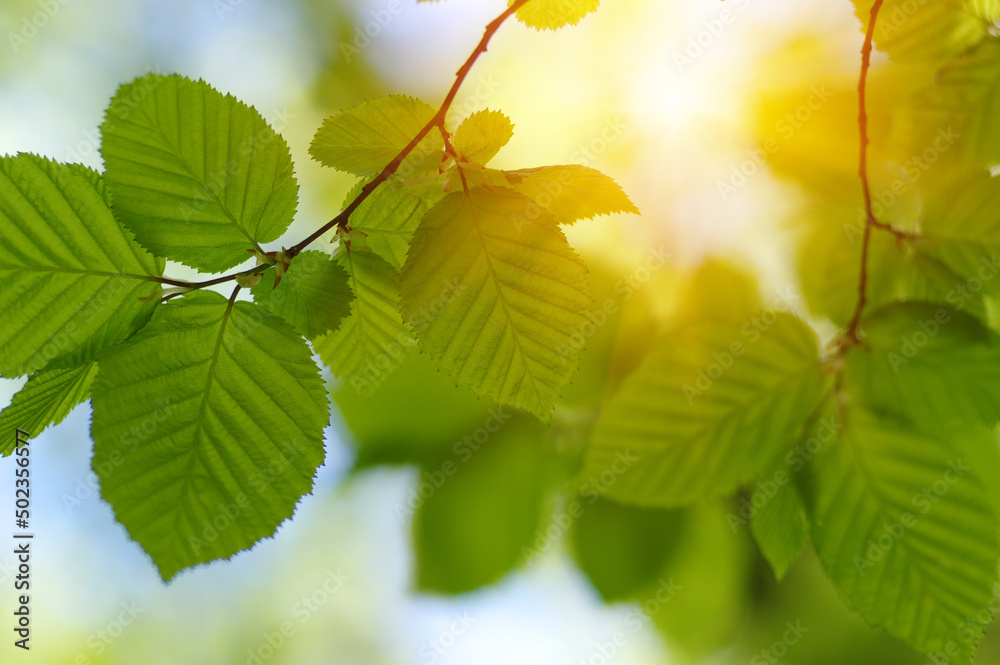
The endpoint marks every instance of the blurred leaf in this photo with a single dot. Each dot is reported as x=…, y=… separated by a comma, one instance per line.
x=828, y=261
x=684, y=417
x=929, y=364
x=962, y=102
x=623, y=549
x=486, y=509
x=929, y=30
x=429, y=415
x=552, y=14
x=806, y=600
x=962, y=225
x=701, y=599
x=909, y=557
x=719, y=291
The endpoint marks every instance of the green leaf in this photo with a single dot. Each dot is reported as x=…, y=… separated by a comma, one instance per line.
x=485, y=509
x=962, y=103
x=313, y=294
x=362, y=140
x=72, y=278
x=430, y=416
x=829, y=258
x=622, y=549
x=927, y=363
x=903, y=529
x=701, y=601
x=687, y=415
x=719, y=290
x=211, y=421
x=197, y=176
x=779, y=523
x=46, y=399
x=492, y=301
x=390, y=215
x=928, y=30
x=553, y=14
x=962, y=228
x=371, y=342
x=570, y=193
x=481, y=135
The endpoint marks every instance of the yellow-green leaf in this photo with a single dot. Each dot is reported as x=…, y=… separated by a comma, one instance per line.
x=493, y=300
x=480, y=137
x=364, y=139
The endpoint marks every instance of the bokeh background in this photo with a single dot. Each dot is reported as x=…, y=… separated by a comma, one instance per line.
x=663, y=96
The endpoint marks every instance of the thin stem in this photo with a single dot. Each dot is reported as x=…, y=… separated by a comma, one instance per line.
x=228, y=278
x=342, y=218
x=870, y=221
x=163, y=280
x=210, y=282
x=437, y=121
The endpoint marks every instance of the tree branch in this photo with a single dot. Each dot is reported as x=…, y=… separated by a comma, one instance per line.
x=870, y=221
x=340, y=221
x=437, y=121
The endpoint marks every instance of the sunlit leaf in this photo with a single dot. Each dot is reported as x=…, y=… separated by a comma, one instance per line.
x=552, y=14
x=369, y=343
x=388, y=218
x=211, y=423
x=71, y=278
x=313, y=294
x=492, y=300
x=364, y=139
x=197, y=176
x=481, y=135
x=569, y=193
x=46, y=399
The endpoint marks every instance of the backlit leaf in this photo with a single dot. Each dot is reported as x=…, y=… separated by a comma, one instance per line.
x=71, y=278
x=208, y=429
x=371, y=342
x=492, y=300
x=197, y=176
x=364, y=139
x=313, y=294
x=46, y=399
x=570, y=193
x=552, y=14
x=481, y=135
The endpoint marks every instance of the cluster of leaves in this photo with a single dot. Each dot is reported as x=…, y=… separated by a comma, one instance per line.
x=208, y=413
x=878, y=448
